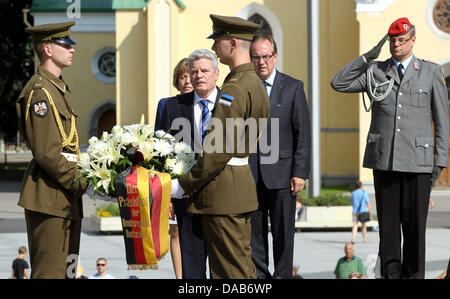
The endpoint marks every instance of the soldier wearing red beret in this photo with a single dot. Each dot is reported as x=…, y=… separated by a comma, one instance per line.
x=405, y=151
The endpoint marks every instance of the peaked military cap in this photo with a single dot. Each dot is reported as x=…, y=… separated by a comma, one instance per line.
x=233, y=27
x=58, y=32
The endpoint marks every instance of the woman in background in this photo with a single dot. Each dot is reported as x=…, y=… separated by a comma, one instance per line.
x=182, y=82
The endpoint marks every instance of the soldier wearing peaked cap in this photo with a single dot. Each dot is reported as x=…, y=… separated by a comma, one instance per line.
x=222, y=184
x=50, y=194
x=405, y=151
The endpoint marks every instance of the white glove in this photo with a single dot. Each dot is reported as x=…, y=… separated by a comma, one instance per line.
x=177, y=190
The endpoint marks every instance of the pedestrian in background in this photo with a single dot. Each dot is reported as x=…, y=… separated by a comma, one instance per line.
x=361, y=208
x=20, y=265
x=101, y=270
x=349, y=264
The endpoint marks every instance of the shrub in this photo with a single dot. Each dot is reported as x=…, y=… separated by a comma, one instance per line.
x=326, y=200
x=108, y=210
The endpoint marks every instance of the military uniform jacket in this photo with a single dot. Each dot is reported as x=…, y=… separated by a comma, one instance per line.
x=49, y=184
x=217, y=188
x=401, y=134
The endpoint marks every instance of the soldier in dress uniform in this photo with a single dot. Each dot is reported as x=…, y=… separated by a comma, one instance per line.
x=221, y=184
x=51, y=195
x=406, y=153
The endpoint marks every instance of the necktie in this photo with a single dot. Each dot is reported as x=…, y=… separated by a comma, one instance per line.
x=266, y=85
x=400, y=71
x=206, y=115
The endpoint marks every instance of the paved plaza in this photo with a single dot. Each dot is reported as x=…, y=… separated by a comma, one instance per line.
x=316, y=251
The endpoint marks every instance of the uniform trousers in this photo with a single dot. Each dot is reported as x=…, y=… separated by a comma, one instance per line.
x=278, y=205
x=54, y=245
x=227, y=240
x=402, y=200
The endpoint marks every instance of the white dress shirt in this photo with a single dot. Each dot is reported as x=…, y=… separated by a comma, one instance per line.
x=404, y=63
x=270, y=81
x=198, y=108
x=177, y=190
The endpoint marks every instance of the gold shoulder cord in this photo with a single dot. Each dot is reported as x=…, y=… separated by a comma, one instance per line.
x=70, y=142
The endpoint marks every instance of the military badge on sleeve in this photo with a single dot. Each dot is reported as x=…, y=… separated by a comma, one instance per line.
x=226, y=99
x=40, y=109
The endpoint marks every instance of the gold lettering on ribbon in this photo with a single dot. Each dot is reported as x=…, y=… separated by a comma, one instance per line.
x=135, y=223
x=136, y=235
x=129, y=203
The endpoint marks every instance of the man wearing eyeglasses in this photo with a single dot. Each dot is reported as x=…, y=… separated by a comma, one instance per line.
x=278, y=183
x=404, y=149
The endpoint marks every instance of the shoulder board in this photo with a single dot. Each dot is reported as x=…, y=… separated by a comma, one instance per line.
x=424, y=60
x=37, y=82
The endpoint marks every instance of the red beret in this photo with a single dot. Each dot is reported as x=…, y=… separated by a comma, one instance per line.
x=399, y=27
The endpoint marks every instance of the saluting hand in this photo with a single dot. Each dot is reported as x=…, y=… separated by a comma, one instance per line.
x=375, y=52
x=297, y=185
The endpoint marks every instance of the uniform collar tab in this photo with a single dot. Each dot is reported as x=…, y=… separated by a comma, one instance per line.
x=58, y=82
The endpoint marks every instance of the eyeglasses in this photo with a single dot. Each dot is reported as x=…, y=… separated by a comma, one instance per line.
x=401, y=41
x=266, y=58
x=100, y=265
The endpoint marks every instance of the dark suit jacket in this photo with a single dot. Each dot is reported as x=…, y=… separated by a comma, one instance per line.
x=160, y=113
x=288, y=104
x=179, y=106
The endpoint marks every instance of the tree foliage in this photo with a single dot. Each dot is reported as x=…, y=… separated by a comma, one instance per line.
x=16, y=61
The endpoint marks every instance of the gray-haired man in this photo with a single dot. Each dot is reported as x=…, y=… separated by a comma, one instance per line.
x=191, y=108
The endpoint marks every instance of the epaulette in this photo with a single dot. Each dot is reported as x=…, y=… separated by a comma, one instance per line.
x=424, y=60
x=37, y=82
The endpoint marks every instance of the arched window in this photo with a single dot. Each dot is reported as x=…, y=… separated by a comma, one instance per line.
x=102, y=118
x=262, y=15
x=106, y=122
x=258, y=19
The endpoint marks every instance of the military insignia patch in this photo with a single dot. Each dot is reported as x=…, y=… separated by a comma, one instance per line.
x=226, y=99
x=40, y=109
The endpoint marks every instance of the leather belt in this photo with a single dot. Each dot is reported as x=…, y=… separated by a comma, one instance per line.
x=70, y=157
x=238, y=161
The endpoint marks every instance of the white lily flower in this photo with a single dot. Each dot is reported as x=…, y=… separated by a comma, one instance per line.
x=85, y=161
x=164, y=135
x=93, y=140
x=147, y=150
x=104, y=175
x=117, y=130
